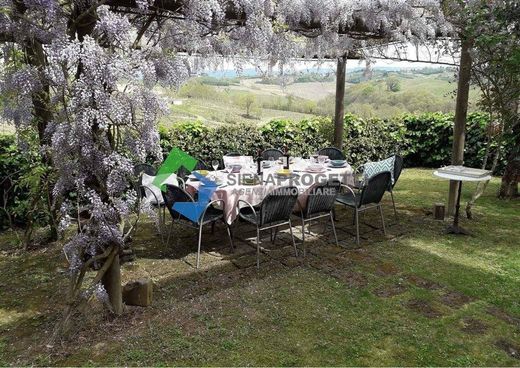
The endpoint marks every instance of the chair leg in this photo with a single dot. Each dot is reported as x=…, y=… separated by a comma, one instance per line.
x=382, y=218
x=275, y=233
x=334, y=228
x=257, y=248
x=356, y=219
x=303, y=236
x=292, y=237
x=334, y=213
x=198, y=248
x=169, y=233
x=230, y=234
x=393, y=203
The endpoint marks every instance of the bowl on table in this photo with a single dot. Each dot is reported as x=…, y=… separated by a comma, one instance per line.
x=337, y=163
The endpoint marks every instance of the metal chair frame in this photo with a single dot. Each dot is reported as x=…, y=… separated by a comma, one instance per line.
x=200, y=223
x=318, y=215
x=361, y=208
x=276, y=154
x=268, y=227
x=336, y=151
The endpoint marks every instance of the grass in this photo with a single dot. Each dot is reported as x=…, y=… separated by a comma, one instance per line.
x=414, y=297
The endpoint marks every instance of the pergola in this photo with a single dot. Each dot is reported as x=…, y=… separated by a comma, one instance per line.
x=357, y=30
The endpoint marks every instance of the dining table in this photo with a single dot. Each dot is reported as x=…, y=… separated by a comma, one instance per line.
x=244, y=184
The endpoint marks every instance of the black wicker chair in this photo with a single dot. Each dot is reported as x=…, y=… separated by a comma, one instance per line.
x=274, y=211
x=183, y=172
x=397, y=169
x=320, y=203
x=271, y=152
x=210, y=215
x=232, y=154
x=369, y=197
x=144, y=168
x=332, y=153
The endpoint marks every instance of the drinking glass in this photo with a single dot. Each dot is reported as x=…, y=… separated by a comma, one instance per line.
x=321, y=160
x=215, y=164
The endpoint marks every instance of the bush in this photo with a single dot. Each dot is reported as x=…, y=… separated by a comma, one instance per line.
x=431, y=135
x=424, y=140
x=21, y=176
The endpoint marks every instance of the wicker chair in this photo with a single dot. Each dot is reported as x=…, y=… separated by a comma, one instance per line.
x=271, y=152
x=183, y=172
x=210, y=214
x=274, y=211
x=397, y=169
x=320, y=203
x=332, y=153
x=369, y=197
x=144, y=168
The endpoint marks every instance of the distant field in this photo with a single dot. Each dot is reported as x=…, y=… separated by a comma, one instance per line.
x=311, y=90
x=214, y=100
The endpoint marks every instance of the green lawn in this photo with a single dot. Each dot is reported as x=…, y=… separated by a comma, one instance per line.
x=415, y=297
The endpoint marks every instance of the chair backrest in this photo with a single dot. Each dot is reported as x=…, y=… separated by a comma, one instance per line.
x=398, y=168
x=175, y=194
x=144, y=168
x=271, y=152
x=321, y=198
x=332, y=152
x=232, y=154
x=278, y=205
x=183, y=172
x=375, y=188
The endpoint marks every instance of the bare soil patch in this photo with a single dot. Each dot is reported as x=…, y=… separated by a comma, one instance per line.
x=455, y=299
x=511, y=349
x=504, y=316
x=423, y=283
x=386, y=269
x=423, y=307
x=388, y=291
x=473, y=326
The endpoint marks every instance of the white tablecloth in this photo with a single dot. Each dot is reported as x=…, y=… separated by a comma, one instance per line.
x=232, y=190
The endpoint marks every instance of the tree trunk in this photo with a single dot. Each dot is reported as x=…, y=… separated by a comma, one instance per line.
x=461, y=111
x=339, y=116
x=511, y=177
x=112, y=283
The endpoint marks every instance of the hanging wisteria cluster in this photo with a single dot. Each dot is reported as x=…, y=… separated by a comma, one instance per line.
x=94, y=65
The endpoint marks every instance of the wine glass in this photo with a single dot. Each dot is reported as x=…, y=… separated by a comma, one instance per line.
x=321, y=160
x=215, y=164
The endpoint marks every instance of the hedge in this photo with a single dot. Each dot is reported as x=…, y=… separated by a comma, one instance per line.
x=423, y=140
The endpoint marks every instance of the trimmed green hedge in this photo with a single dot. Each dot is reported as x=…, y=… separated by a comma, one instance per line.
x=424, y=140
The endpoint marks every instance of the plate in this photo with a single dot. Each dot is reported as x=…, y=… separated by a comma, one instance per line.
x=337, y=167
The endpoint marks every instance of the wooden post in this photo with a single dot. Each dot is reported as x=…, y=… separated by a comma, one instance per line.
x=461, y=111
x=112, y=283
x=438, y=211
x=339, y=115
